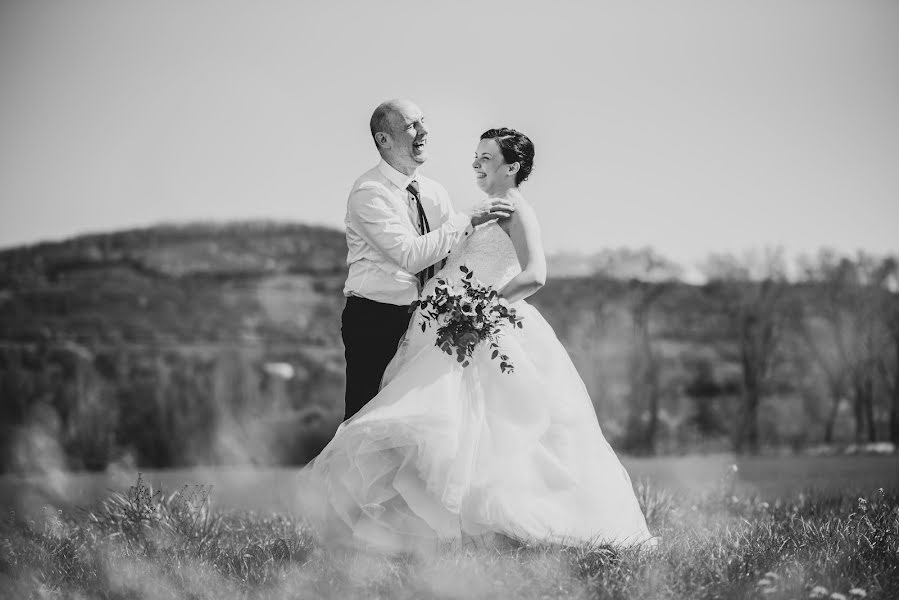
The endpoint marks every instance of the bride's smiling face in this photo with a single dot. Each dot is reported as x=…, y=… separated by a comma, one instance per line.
x=492, y=173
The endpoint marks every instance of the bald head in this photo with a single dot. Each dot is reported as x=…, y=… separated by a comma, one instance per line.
x=385, y=116
x=380, y=119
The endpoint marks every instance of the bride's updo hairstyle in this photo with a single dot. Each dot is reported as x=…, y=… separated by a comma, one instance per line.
x=516, y=147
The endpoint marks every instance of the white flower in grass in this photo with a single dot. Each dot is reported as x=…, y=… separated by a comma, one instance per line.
x=837, y=596
x=819, y=591
x=772, y=575
x=764, y=582
x=858, y=593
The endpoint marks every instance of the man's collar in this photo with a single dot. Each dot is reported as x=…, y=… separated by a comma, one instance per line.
x=395, y=177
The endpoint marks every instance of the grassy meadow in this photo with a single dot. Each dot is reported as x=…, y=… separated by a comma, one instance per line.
x=731, y=536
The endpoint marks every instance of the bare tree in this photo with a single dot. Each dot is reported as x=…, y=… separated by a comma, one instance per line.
x=644, y=368
x=892, y=379
x=819, y=344
x=655, y=275
x=888, y=362
x=751, y=292
x=857, y=307
x=825, y=327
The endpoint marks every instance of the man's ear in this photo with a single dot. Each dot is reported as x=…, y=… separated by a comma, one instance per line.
x=382, y=140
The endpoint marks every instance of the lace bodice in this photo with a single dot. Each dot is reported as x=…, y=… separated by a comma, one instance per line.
x=488, y=252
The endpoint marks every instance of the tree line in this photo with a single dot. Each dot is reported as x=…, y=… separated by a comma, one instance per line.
x=828, y=336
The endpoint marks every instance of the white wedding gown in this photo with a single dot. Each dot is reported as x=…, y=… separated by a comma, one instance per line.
x=444, y=452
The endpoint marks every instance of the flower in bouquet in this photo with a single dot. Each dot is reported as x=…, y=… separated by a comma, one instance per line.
x=468, y=314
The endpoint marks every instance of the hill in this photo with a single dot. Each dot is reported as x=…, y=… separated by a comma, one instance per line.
x=152, y=345
x=210, y=343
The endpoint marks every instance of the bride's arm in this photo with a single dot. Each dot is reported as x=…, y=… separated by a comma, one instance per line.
x=524, y=231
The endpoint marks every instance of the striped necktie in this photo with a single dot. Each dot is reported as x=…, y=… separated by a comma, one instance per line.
x=423, y=228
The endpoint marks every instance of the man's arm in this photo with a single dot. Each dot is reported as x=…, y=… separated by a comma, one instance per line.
x=380, y=224
x=383, y=227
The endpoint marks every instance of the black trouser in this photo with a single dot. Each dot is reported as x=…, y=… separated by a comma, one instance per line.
x=371, y=331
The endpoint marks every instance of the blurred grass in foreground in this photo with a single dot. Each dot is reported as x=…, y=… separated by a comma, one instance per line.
x=146, y=544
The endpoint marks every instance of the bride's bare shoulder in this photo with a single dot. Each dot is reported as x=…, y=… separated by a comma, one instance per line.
x=524, y=213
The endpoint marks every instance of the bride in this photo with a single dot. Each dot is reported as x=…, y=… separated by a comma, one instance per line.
x=445, y=452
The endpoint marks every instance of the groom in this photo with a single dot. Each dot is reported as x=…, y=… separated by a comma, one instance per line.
x=399, y=226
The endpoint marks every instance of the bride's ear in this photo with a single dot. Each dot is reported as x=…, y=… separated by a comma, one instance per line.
x=514, y=168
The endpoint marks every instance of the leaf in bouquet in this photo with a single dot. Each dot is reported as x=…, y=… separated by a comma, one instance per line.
x=463, y=268
x=519, y=325
x=423, y=326
x=495, y=354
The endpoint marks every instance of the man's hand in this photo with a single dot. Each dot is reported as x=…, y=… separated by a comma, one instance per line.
x=488, y=210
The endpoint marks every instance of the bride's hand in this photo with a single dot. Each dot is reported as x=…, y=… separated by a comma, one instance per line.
x=494, y=208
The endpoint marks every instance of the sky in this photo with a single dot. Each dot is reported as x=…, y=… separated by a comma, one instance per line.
x=693, y=127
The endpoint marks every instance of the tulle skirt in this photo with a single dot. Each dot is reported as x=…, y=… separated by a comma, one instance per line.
x=444, y=452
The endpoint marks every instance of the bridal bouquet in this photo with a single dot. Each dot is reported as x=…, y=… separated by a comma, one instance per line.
x=474, y=314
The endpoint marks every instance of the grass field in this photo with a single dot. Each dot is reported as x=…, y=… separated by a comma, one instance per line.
x=273, y=489
x=784, y=528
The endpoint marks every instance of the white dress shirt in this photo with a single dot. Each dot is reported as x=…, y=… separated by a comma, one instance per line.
x=385, y=249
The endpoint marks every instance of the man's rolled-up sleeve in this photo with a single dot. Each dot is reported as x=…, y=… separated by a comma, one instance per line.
x=383, y=227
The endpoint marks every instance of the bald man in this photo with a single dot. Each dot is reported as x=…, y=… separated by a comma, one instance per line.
x=400, y=226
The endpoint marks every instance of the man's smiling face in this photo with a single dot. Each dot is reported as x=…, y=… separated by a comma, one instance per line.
x=408, y=136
